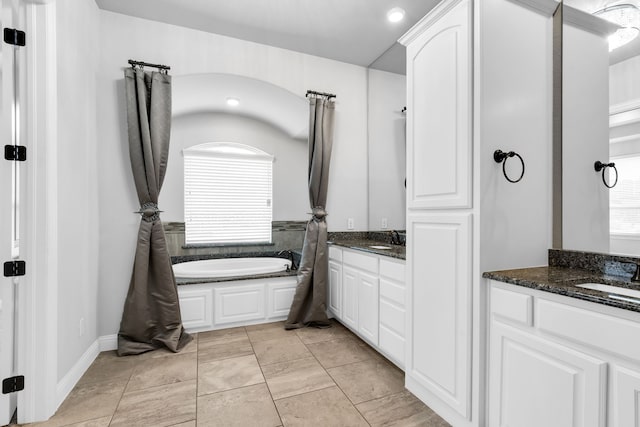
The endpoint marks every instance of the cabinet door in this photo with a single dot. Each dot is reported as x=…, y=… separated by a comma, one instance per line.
x=625, y=402
x=439, y=110
x=279, y=297
x=368, y=307
x=237, y=303
x=196, y=308
x=439, y=309
x=335, y=289
x=535, y=382
x=350, y=296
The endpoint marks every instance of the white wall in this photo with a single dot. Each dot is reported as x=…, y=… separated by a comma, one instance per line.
x=624, y=82
x=189, y=51
x=78, y=214
x=290, y=190
x=585, y=139
x=387, y=150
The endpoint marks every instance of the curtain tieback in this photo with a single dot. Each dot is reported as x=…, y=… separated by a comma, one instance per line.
x=319, y=213
x=149, y=212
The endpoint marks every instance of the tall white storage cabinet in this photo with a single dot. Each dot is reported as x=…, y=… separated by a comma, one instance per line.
x=479, y=77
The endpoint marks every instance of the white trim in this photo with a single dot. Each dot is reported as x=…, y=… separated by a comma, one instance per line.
x=69, y=381
x=586, y=21
x=624, y=118
x=544, y=7
x=38, y=312
x=108, y=342
x=628, y=138
x=428, y=20
x=622, y=107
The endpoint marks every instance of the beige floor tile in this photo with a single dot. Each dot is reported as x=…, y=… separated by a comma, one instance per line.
x=340, y=352
x=164, y=405
x=227, y=374
x=224, y=347
x=220, y=335
x=315, y=335
x=108, y=366
x=280, y=350
x=367, y=380
x=326, y=407
x=191, y=423
x=242, y=407
x=88, y=402
x=157, y=371
x=267, y=331
x=399, y=409
x=287, y=379
x=98, y=422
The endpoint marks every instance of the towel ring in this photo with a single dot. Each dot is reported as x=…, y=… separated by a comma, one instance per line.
x=501, y=157
x=599, y=166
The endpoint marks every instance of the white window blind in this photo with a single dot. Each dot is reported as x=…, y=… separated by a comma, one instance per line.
x=624, y=198
x=227, y=194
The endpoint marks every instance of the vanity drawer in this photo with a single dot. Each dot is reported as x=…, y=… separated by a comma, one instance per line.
x=335, y=253
x=392, y=291
x=392, y=269
x=361, y=261
x=612, y=334
x=512, y=305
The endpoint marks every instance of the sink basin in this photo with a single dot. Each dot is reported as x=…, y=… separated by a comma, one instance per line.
x=379, y=247
x=614, y=291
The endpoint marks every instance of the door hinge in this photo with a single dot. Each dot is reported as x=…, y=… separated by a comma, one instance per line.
x=14, y=37
x=15, y=152
x=13, y=384
x=14, y=268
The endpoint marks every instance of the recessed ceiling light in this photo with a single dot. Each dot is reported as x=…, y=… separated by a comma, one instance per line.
x=233, y=102
x=395, y=15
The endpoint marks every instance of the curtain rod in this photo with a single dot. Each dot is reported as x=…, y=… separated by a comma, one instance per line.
x=313, y=92
x=147, y=64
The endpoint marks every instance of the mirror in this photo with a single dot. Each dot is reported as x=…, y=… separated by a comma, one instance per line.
x=601, y=122
x=275, y=121
x=386, y=150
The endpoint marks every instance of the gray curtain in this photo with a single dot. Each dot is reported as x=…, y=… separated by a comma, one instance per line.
x=309, y=303
x=151, y=317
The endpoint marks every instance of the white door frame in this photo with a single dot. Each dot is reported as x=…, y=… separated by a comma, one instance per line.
x=38, y=293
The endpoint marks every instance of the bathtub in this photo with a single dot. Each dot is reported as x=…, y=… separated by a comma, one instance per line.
x=229, y=267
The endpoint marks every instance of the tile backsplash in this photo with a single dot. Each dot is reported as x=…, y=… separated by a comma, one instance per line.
x=285, y=235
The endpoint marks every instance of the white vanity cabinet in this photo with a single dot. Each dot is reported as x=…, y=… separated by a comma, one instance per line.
x=558, y=361
x=366, y=294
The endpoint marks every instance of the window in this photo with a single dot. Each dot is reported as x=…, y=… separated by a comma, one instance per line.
x=227, y=194
x=625, y=197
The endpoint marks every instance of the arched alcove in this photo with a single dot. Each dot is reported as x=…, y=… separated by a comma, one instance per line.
x=260, y=100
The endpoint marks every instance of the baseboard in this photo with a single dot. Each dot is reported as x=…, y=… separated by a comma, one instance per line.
x=69, y=381
x=108, y=342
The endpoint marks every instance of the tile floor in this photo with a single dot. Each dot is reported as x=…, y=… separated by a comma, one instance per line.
x=251, y=376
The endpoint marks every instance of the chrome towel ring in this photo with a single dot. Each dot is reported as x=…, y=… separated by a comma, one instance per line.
x=599, y=166
x=501, y=157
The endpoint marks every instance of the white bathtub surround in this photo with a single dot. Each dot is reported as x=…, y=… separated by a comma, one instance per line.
x=219, y=305
x=229, y=267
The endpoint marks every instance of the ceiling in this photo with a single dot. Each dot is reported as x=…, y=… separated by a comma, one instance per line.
x=353, y=31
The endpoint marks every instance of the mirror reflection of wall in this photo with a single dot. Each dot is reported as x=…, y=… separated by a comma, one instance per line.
x=387, y=150
x=601, y=121
x=290, y=193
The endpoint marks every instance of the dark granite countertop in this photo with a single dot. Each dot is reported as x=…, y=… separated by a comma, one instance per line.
x=563, y=281
x=364, y=245
x=181, y=282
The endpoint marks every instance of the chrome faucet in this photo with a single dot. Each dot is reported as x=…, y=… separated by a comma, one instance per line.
x=395, y=237
x=289, y=255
